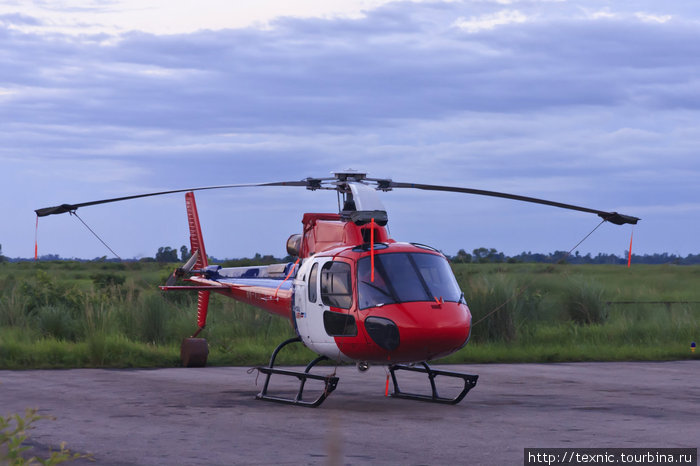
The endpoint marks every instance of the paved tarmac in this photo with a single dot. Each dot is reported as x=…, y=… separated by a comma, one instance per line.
x=209, y=416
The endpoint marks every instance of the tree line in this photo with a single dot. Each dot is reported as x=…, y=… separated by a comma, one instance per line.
x=482, y=255
x=491, y=255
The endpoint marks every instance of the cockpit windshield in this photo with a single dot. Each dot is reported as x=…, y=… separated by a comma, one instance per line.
x=405, y=277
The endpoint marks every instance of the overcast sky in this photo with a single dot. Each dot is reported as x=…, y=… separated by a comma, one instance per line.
x=593, y=103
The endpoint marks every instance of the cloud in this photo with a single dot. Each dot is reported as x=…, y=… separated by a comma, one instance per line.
x=78, y=17
x=544, y=99
x=647, y=17
x=486, y=22
x=19, y=19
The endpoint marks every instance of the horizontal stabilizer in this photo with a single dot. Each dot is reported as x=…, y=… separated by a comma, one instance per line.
x=192, y=287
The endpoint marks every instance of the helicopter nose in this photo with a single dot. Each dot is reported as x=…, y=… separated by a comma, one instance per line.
x=420, y=331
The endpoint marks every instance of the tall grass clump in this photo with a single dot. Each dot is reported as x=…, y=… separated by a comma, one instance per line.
x=494, y=302
x=152, y=319
x=57, y=322
x=13, y=308
x=583, y=302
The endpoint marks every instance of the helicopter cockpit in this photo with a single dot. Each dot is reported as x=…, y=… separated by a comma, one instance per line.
x=405, y=277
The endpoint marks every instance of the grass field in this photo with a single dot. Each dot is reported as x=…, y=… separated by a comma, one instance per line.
x=71, y=314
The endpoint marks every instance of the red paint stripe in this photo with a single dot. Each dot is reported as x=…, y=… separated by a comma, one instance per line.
x=371, y=245
x=287, y=277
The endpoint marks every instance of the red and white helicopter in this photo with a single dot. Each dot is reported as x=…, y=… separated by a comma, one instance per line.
x=353, y=295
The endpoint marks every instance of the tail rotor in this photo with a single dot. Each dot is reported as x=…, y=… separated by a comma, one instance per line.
x=184, y=270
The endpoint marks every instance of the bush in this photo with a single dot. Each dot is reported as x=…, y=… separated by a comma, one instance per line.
x=14, y=432
x=44, y=290
x=107, y=281
x=57, y=322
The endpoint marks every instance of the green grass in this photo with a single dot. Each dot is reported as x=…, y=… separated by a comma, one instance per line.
x=69, y=314
x=574, y=352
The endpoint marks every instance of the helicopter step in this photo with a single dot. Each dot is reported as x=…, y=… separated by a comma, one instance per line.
x=469, y=383
x=330, y=381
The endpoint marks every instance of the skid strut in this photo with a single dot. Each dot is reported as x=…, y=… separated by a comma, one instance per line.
x=330, y=381
x=469, y=383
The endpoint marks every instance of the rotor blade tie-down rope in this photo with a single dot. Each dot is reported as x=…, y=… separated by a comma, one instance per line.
x=527, y=285
x=73, y=212
x=250, y=371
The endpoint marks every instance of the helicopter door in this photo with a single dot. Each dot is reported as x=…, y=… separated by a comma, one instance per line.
x=322, y=305
x=308, y=311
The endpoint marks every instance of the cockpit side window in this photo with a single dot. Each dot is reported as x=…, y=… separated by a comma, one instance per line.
x=336, y=285
x=313, y=278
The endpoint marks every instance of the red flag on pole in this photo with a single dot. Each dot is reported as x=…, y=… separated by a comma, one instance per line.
x=36, y=235
x=629, y=255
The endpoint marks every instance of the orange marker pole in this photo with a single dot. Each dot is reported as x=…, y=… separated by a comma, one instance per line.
x=386, y=389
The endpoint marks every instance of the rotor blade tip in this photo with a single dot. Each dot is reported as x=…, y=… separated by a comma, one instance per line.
x=619, y=219
x=60, y=209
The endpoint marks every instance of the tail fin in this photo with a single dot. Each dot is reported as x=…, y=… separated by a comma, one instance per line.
x=196, y=241
x=197, y=244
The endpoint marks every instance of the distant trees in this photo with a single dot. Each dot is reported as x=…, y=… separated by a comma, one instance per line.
x=483, y=255
x=491, y=255
x=462, y=257
x=479, y=255
x=258, y=259
x=166, y=254
x=184, y=253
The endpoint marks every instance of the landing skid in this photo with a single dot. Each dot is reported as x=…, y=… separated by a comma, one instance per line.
x=469, y=383
x=330, y=381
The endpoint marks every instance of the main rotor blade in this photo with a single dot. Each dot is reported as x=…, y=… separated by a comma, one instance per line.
x=63, y=208
x=612, y=217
